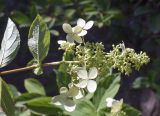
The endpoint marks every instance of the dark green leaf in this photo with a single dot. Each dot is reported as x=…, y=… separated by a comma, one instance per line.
x=10, y=44
x=6, y=101
x=21, y=18
x=62, y=77
x=22, y=99
x=130, y=111
x=43, y=105
x=27, y=96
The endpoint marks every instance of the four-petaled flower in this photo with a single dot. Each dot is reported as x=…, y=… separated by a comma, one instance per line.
x=72, y=33
x=75, y=33
x=65, y=98
x=84, y=25
x=86, y=79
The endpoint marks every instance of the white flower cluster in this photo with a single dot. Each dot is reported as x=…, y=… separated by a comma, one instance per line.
x=80, y=30
x=86, y=80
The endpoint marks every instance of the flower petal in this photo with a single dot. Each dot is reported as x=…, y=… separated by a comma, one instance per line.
x=82, y=83
x=82, y=73
x=81, y=22
x=67, y=28
x=69, y=38
x=61, y=42
x=63, y=90
x=69, y=105
x=82, y=33
x=93, y=72
x=57, y=100
x=77, y=29
x=110, y=101
x=88, y=25
x=77, y=38
x=73, y=91
x=79, y=95
x=91, y=86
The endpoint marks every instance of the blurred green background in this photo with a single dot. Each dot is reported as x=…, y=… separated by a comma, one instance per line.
x=136, y=22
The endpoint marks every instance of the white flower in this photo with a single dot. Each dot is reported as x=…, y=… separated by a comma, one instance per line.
x=85, y=26
x=115, y=105
x=76, y=92
x=75, y=33
x=65, y=98
x=86, y=79
x=72, y=33
x=110, y=101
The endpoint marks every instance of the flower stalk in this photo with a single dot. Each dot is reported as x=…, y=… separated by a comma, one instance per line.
x=34, y=66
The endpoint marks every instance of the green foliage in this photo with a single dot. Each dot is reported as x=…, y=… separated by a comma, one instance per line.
x=10, y=44
x=42, y=105
x=56, y=11
x=84, y=107
x=130, y=111
x=13, y=90
x=62, y=78
x=21, y=18
x=23, y=98
x=108, y=87
x=38, y=42
x=6, y=101
x=34, y=86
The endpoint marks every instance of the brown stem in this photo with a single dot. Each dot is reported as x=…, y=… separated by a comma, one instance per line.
x=34, y=66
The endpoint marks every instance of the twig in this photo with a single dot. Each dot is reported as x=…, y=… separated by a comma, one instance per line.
x=34, y=66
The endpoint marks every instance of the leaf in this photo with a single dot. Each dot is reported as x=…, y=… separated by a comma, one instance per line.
x=43, y=105
x=34, y=86
x=84, y=108
x=39, y=39
x=6, y=101
x=10, y=44
x=130, y=111
x=62, y=77
x=22, y=99
x=21, y=18
x=107, y=87
x=104, y=112
x=14, y=91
